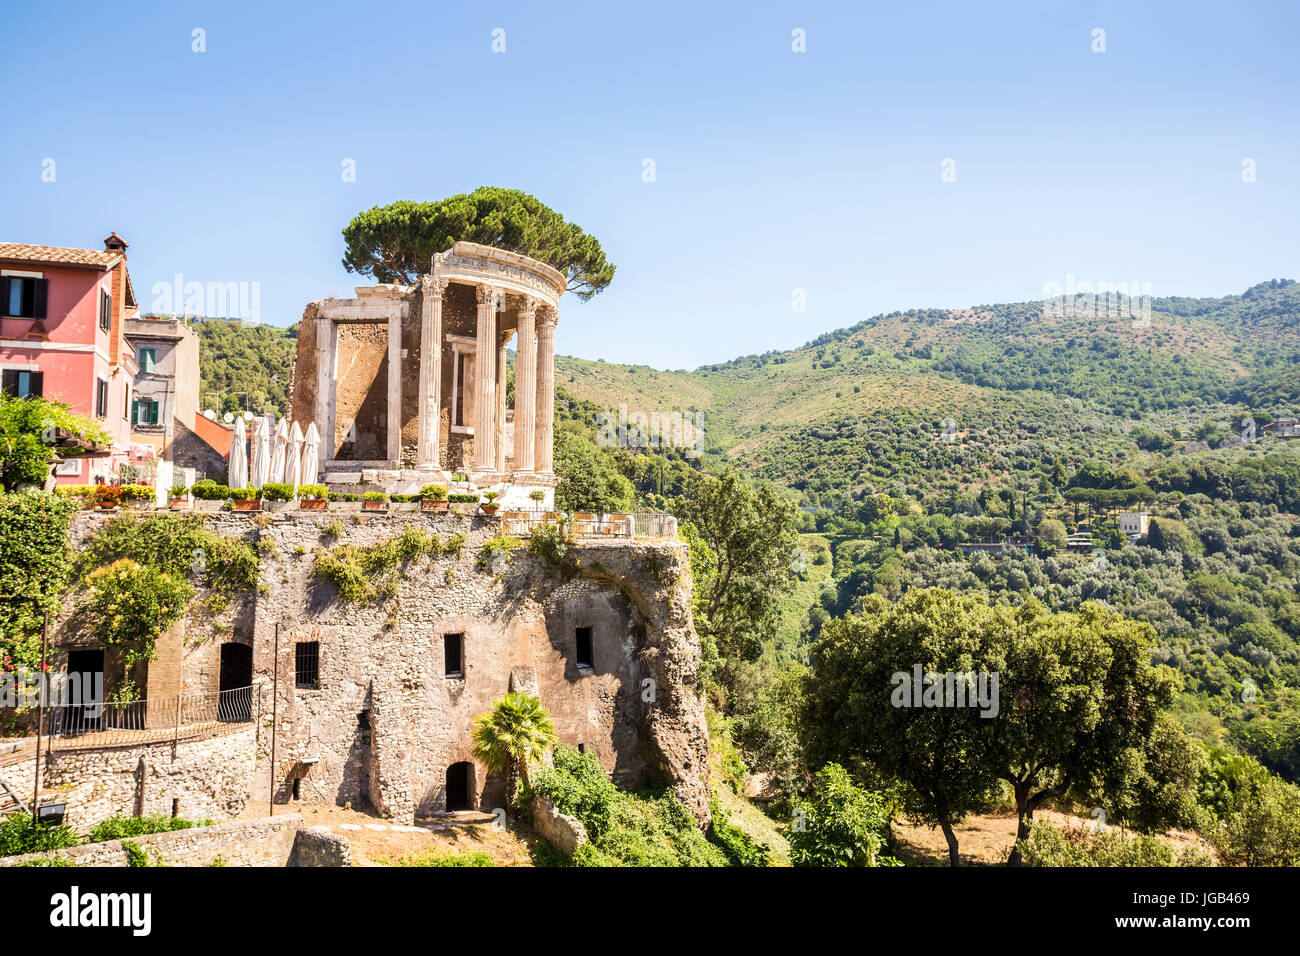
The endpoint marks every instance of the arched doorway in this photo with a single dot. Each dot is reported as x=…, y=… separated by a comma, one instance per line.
x=460, y=778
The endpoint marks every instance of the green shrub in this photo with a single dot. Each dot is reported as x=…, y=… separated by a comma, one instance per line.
x=402, y=499
x=35, y=568
x=364, y=573
x=178, y=544
x=551, y=541
x=650, y=828
x=179, y=490
x=1110, y=846
x=375, y=496
x=208, y=490
x=500, y=545
x=118, y=828
x=463, y=499
x=741, y=849
x=349, y=496
x=137, y=493
x=275, y=491
x=244, y=494
x=840, y=825
x=313, y=492
x=434, y=492
x=434, y=858
x=19, y=833
x=128, y=607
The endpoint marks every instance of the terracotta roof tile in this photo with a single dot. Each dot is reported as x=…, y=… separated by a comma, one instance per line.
x=57, y=255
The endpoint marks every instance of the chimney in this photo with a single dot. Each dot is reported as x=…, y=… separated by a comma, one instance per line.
x=117, y=288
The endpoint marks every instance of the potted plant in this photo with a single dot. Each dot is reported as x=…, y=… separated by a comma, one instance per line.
x=433, y=498
x=135, y=494
x=277, y=495
x=178, y=496
x=537, y=496
x=490, y=506
x=313, y=497
x=108, y=497
x=246, y=499
x=374, y=501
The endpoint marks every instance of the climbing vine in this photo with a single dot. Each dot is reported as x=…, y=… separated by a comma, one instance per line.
x=128, y=606
x=373, y=572
x=35, y=568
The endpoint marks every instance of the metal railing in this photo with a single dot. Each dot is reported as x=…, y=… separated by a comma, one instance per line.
x=521, y=524
x=118, y=723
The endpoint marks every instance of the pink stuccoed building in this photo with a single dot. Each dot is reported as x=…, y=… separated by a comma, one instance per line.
x=63, y=315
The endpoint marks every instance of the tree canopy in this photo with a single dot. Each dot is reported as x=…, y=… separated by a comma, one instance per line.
x=397, y=241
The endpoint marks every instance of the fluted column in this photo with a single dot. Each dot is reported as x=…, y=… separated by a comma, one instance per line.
x=546, y=319
x=430, y=371
x=502, y=366
x=526, y=388
x=485, y=376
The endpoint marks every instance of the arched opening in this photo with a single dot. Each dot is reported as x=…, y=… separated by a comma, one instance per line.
x=460, y=776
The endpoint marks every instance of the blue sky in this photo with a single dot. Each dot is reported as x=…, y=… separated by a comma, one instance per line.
x=774, y=170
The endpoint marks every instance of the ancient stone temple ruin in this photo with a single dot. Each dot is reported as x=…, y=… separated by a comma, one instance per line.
x=294, y=691
x=408, y=385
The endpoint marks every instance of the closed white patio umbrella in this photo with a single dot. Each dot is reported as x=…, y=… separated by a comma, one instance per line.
x=261, y=466
x=310, y=456
x=237, y=470
x=279, y=452
x=293, y=463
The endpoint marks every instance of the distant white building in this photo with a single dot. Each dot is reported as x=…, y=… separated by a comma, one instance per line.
x=1134, y=523
x=1283, y=428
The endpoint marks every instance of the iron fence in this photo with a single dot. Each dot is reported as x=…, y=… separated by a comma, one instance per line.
x=116, y=723
x=521, y=524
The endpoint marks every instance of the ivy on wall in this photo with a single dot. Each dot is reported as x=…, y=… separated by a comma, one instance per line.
x=35, y=567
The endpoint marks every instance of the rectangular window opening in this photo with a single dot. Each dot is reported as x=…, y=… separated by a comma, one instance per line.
x=453, y=653
x=583, y=636
x=306, y=665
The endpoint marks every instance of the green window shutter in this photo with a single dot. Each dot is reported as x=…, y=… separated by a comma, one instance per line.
x=135, y=412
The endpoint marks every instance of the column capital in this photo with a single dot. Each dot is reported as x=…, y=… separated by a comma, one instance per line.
x=547, y=316
x=488, y=294
x=527, y=305
x=434, y=286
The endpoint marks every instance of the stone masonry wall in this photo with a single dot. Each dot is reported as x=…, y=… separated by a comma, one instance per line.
x=386, y=722
x=206, y=779
x=269, y=841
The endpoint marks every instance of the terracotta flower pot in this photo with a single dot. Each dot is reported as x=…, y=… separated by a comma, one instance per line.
x=429, y=504
x=490, y=508
x=254, y=504
x=374, y=505
x=312, y=504
x=178, y=504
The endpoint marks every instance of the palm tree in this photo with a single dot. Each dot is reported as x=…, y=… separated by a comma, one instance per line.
x=517, y=731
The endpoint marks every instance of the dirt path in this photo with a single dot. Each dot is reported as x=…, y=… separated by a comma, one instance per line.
x=375, y=840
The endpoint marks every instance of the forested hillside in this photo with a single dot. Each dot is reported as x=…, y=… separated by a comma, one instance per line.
x=985, y=452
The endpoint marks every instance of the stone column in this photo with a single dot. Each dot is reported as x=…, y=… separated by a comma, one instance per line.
x=485, y=385
x=325, y=386
x=394, y=417
x=526, y=388
x=546, y=320
x=499, y=438
x=430, y=371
